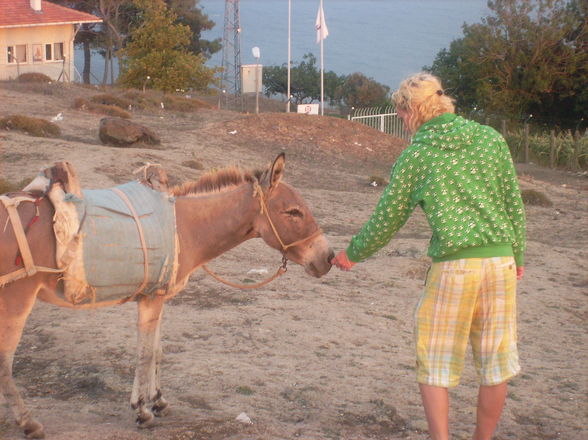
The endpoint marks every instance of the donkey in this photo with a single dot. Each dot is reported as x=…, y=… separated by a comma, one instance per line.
x=214, y=214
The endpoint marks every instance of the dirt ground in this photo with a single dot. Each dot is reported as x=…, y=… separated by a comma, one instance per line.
x=314, y=359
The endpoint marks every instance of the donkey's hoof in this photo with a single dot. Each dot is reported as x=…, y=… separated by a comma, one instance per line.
x=34, y=429
x=160, y=408
x=145, y=419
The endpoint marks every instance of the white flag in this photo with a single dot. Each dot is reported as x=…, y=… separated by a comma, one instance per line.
x=322, y=31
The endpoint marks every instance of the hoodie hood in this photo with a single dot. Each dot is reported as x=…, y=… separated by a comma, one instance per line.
x=448, y=132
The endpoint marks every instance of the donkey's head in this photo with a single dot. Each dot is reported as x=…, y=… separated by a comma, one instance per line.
x=287, y=224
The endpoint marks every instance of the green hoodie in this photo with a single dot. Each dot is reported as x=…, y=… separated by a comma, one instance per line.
x=462, y=176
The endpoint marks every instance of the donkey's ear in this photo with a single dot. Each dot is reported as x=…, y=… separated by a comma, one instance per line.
x=277, y=170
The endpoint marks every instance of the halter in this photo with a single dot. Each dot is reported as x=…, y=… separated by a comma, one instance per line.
x=258, y=193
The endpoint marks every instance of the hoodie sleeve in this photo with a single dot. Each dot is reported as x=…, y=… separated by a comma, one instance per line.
x=393, y=209
x=514, y=206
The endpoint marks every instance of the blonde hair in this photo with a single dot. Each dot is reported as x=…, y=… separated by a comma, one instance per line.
x=423, y=97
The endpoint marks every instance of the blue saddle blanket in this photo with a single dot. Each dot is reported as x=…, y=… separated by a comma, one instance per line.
x=113, y=256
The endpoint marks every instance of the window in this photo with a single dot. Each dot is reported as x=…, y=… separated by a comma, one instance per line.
x=58, y=51
x=37, y=53
x=17, y=53
x=48, y=52
x=21, y=53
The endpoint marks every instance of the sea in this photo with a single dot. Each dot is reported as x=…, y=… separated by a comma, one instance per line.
x=386, y=40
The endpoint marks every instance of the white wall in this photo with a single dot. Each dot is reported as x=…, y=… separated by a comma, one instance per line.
x=38, y=35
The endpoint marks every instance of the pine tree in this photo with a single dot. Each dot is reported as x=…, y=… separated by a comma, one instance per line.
x=158, y=54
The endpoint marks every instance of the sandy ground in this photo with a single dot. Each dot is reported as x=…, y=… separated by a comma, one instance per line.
x=328, y=358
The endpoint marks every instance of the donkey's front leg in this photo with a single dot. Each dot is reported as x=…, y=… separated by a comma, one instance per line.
x=16, y=302
x=22, y=415
x=146, y=388
x=159, y=406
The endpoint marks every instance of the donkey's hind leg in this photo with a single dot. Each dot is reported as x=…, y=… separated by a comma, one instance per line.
x=16, y=302
x=146, y=398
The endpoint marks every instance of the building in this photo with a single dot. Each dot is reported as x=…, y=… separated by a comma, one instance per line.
x=38, y=36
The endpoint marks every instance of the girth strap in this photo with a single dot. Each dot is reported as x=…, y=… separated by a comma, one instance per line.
x=125, y=199
x=21, y=238
x=30, y=268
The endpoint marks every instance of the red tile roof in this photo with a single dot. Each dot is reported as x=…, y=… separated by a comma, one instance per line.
x=18, y=13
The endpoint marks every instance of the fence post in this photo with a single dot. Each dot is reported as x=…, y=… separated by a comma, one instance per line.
x=575, y=160
x=526, y=140
x=552, y=149
x=503, y=128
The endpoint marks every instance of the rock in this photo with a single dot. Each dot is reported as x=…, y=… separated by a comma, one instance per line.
x=123, y=133
x=244, y=418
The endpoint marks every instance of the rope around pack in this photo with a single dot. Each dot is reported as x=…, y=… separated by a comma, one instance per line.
x=258, y=193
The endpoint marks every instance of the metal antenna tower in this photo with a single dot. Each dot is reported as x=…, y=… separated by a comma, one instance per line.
x=231, y=65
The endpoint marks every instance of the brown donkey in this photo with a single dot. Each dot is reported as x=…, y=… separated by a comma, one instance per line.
x=213, y=215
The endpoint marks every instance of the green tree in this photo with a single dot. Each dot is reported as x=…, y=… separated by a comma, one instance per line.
x=527, y=57
x=158, y=56
x=88, y=35
x=190, y=14
x=305, y=81
x=357, y=90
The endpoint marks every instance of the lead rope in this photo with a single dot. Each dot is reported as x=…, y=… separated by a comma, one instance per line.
x=258, y=192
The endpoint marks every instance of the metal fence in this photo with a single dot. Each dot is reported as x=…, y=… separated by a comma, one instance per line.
x=384, y=119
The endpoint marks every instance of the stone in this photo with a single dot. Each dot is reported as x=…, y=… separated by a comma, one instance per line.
x=120, y=132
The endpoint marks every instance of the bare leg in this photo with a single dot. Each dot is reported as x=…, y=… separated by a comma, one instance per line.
x=146, y=387
x=16, y=303
x=436, y=404
x=490, y=405
x=160, y=406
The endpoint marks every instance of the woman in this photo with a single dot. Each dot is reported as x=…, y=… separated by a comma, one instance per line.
x=461, y=174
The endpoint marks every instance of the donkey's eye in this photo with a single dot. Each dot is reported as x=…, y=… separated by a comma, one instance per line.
x=295, y=213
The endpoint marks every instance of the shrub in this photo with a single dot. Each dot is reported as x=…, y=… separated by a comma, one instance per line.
x=34, y=77
x=540, y=149
x=110, y=110
x=535, y=198
x=152, y=100
x=142, y=100
x=33, y=126
x=194, y=164
x=108, y=99
x=182, y=104
x=378, y=181
x=6, y=186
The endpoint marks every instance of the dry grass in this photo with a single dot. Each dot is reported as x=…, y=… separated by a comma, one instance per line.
x=34, y=77
x=150, y=100
x=535, y=198
x=33, y=126
x=51, y=88
x=378, y=181
x=6, y=186
x=194, y=164
x=111, y=100
x=104, y=109
x=183, y=104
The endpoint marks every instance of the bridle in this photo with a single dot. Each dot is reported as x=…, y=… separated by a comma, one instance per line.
x=258, y=193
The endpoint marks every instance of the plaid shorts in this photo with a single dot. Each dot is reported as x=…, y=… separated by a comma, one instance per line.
x=471, y=298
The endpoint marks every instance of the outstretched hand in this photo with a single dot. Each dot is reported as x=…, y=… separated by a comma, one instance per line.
x=342, y=261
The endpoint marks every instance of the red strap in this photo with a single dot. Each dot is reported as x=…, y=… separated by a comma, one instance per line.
x=37, y=202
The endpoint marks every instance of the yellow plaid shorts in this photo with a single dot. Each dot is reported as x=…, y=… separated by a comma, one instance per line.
x=475, y=299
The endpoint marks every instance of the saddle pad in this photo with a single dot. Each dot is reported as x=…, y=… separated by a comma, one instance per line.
x=112, y=252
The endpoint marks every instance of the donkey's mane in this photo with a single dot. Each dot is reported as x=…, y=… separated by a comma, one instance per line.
x=216, y=181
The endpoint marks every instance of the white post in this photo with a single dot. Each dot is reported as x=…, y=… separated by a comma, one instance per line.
x=256, y=54
x=322, y=72
x=289, y=52
x=256, y=86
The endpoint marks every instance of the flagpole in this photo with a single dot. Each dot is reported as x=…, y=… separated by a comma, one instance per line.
x=289, y=52
x=322, y=69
